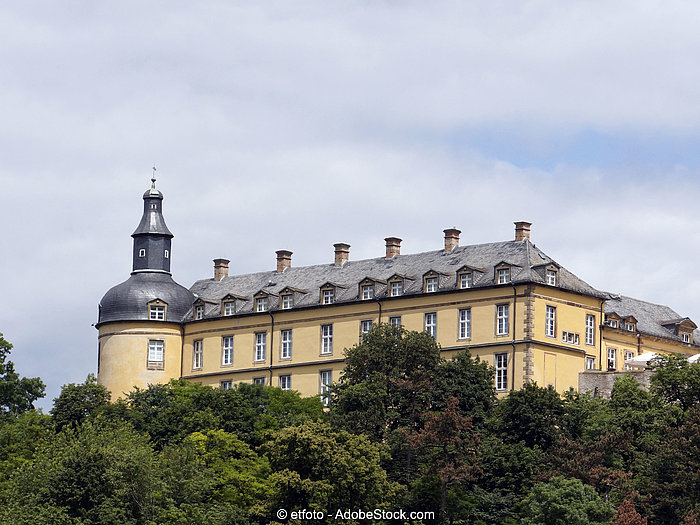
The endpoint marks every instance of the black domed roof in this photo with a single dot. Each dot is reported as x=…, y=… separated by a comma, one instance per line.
x=129, y=300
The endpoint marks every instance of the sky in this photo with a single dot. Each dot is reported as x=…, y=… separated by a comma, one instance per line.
x=296, y=125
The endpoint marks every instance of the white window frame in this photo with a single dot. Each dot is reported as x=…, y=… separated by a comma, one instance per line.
x=367, y=292
x=226, y=384
x=199, y=312
x=259, y=381
x=551, y=277
x=465, y=323
x=590, y=363
x=260, y=347
x=430, y=324
x=285, y=381
x=326, y=339
x=227, y=350
x=628, y=355
x=503, y=275
x=261, y=304
x=550, y=326
x=466, y=280
x=612, y=358
x=629, y=327
x=328, y=296
x=142, y=252
x=287, y=301
x=500, y=362
x=325, y=379
x=156, y=313
x=502, y=319
x=156, y=350
x=197, y=354
x=396, y=288
x=395, y=321
x=286, y=344
x=166, y=254
x=229, y=308
x=365, y=326
x=431, y=284
x=590, y=330
x=685, y=337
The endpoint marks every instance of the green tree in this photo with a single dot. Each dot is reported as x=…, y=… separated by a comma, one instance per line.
x=676, y=380
x=17, y=394
x=78, y=402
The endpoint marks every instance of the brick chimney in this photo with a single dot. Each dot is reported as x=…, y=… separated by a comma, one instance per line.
x=342, y=253
x=284, y=260
x=393, y=246
x=451, y=239
x=522, y=230
x=220, y=269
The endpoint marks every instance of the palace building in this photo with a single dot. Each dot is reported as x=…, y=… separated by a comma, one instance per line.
x=506, y=302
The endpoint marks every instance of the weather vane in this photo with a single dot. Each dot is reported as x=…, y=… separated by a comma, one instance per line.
x=153, y=179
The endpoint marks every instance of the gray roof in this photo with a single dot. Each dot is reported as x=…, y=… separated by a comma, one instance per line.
x=652, y=319
x=528, y=264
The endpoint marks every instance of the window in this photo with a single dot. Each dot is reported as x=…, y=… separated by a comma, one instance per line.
x=590, y=330
x=261, y=304
x=685, y=337
x=431, y=323
x=612, y=323
x=365, y=326
x=569, y=337
x=226, y=385
x=551, y=277
x=166, y=254
x=590, y=363
x=155, y=351
x=227, y=350
x=328, y=296
x=142, y=253
x=503, y=275
x=287, y=301
x=395, y=321
x=431, y=284
x=199, y=312
x=286, y=382
x=502, y=322
x=628, y=355
x=396, y=288
x=156, y=313
x=259, y=381
x=260, y=346
x=197, y=357
x=286, y=342
x=367, y=292
x=629, y=327
x=465, y=280
x=229, y=308
x=501, y=362
x=612, y=362
x=550, y=327
x=327, y=339
x=465, y=323
x=326, y=378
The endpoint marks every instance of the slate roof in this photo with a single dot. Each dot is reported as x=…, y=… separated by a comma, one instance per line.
x=650, y=317
x=527, y=265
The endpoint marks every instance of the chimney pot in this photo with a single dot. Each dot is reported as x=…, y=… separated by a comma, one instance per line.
x=284, y=260
x=220, y=269
x=451, y=239
x=393, y=246
x=342, y=253
x=522, y=230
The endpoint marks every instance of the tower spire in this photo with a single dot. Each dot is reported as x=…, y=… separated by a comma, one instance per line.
x=153, y=179
x=152, y=237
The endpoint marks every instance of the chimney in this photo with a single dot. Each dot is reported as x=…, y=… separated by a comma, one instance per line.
x=284, y=260
x=522, y=230
x=342, y=253
x=220, y=269
x=393, y=246
x=451, y=239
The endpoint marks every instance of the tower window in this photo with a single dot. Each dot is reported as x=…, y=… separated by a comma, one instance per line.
x=154, y=207
x=166, y=254
x=142, y=252
x=157, y=313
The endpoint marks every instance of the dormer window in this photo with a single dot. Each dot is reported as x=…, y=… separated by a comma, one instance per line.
x=612, y=323
x=199, y=312
x=685, y=337
x=431, y=284
x=552, y=277
x=229, y=307
x=466, y=280
x=367, y=292
x=261, y=304
x=629, y=327
x=503, y=276
x=287, y=301
x=396, y=288
x=156, y=313
x=327, y=296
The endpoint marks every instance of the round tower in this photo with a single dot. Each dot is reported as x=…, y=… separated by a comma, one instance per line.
x=140, y=320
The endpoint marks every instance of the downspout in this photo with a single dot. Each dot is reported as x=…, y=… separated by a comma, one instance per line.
x=515, y=301
x=272, y=342
x=379, y=304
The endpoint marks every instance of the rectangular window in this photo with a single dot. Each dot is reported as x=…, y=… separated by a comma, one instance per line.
x=431, y=323
x=261, y=304
x=286, y=382
x=396, y=288
x=286, y=342
x=287, y=302
x=395, y=321
x=367, y=292
x=501, y=363
x=590, y=363
x=229, y=308
x=326, y=378
x=551, y=278
x=628, y=355
x=502, y=321
x=226, y=385
x=155, y=351
x=613, y=324
x=590, y=330
x=612, y=361
x=465, y=280
x=550, y=327
x=157, y=313
x=569, y=337
x=629, y=327
x=365, y=326
x=199, y=312
x=327, y=339
x=328, y=296
x=260, y=346
x=503, y=275
x=431, y=284
x=197, y=356
x=227, y=350
x=465, y=323
x=685, y=336
x=259, y=381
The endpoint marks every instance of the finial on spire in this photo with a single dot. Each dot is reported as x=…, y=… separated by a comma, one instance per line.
x=153, y=179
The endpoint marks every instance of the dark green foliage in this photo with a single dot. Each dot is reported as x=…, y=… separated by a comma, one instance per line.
x=677, y=381
x=17, y=394
x=78, y=402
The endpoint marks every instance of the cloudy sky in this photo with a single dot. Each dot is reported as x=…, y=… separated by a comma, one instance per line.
x=299, y=124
